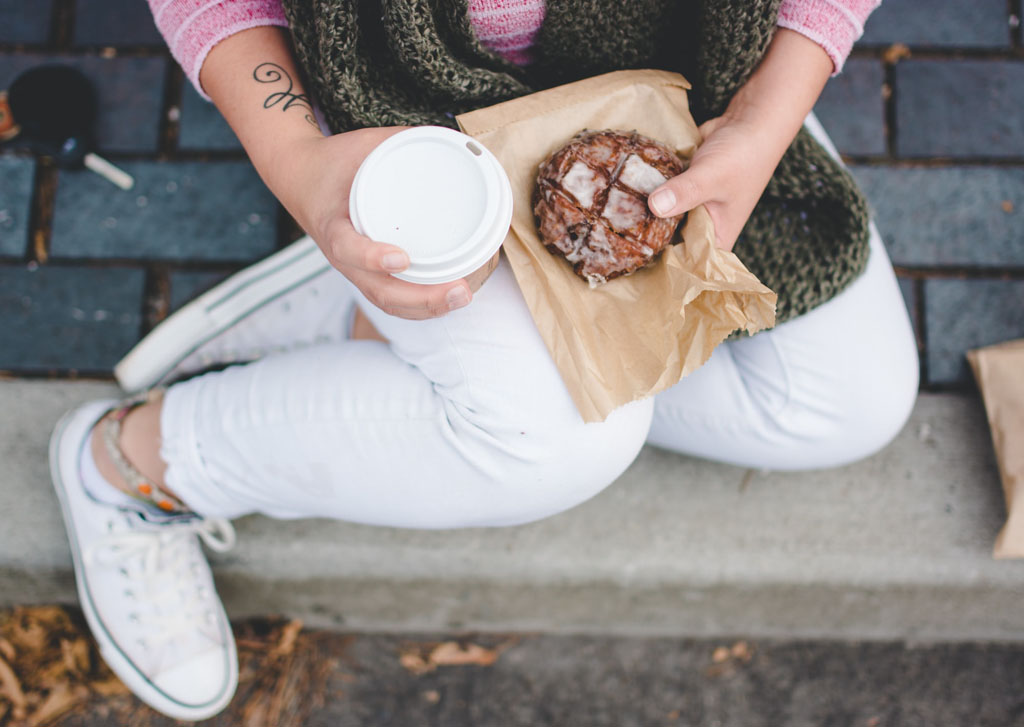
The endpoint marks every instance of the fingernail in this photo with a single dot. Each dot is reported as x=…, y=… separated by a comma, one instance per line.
x=456, y=298
x=394, y=261
x=663, y=201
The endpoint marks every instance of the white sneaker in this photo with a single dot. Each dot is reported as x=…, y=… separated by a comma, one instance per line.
x=146, y=589
x=293, y=298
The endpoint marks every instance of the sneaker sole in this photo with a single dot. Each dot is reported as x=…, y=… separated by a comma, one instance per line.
x=118, y=662
x=154, y=358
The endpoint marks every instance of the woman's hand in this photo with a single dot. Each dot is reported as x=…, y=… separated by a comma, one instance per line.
x=313, y=178
x=742, y=147
x=253, y=79
x=727, y=175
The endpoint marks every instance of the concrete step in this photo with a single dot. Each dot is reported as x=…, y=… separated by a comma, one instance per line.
x=897, y=546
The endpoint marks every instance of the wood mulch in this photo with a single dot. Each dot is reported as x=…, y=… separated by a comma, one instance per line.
x=51, y=673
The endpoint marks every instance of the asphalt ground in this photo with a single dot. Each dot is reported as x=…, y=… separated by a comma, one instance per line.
x=563, y=681
x=292, y=676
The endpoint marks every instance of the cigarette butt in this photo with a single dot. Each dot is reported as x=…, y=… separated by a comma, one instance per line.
x=108, y=171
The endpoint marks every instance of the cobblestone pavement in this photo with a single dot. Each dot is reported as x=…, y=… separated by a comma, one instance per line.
x=927, y=114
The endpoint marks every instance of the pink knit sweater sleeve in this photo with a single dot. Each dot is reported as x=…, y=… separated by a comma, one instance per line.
x=832, y=24
x=192, y=27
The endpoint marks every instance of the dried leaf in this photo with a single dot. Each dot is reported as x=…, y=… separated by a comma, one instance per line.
x=60, y=700
x=75, y=655
x=42, y=253
x=47, y=675
x=895, y=53
x=251, y=644
x=55, y=662
x=28, y=634
x=451, y=654
x=255, y=712
x=415, y=663
x=726, y=660
x=1007, y=206
x=29, y=628
x=7, y=650
x=58, y=669
x=741, y=651
x=283, y=675
x=10, y=687
x=110, y=687
x=286, y=642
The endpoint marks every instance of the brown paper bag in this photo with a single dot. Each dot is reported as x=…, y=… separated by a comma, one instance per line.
x=1000, y=374
x=636, y=335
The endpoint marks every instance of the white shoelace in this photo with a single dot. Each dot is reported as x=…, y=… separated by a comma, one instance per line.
x=160, y=563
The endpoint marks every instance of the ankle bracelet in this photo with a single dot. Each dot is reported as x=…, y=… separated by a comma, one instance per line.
x=139, y=486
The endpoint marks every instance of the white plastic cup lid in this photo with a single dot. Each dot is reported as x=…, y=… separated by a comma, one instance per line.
x=438, y=194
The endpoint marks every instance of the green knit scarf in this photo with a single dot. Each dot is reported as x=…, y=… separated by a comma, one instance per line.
x=390, y=62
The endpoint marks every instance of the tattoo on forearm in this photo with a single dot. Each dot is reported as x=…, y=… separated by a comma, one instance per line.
x=273, y=73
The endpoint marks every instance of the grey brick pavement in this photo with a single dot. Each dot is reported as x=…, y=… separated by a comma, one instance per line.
x=186, y=285
x=909, y=291
x=948, y=23
x=852, y=108
x=936, y=140
x=957, y=216
x=115, y=22
x=67, y=318
x=16, y=177
x=25, y=21
x=960, y=108
x=963, y=314
x=177, y=211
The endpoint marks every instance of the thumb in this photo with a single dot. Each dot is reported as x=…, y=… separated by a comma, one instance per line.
x=681, y=193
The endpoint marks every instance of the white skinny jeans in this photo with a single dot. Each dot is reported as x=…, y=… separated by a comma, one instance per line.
x=463, y=421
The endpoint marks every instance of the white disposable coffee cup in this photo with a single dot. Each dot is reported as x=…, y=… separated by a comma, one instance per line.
x=441, y=196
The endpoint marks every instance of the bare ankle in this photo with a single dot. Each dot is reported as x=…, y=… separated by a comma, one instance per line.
x=102, y=458
x=139, y=443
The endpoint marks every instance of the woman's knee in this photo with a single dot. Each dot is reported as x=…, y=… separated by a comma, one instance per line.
x=879, y=409
x=558, y=462
x=858, y=419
